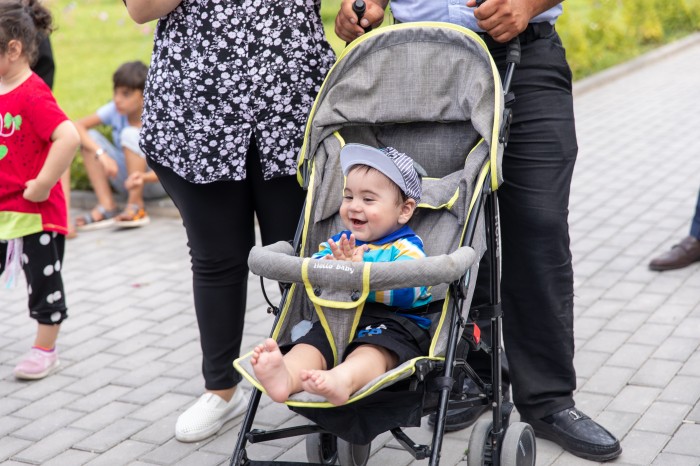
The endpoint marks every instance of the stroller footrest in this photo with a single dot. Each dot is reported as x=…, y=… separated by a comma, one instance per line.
x=419, y=452
x=280, y=463
x=258, y=435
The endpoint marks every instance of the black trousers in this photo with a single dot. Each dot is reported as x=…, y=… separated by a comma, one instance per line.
x=537, y=275
x=219, y=220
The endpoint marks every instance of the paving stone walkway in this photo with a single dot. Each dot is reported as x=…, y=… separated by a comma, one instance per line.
x=130, y=350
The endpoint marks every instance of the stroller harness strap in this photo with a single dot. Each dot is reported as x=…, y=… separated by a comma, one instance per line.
x=315, y=293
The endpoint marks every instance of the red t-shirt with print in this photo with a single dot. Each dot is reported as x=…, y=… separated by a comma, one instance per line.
x=29, y=115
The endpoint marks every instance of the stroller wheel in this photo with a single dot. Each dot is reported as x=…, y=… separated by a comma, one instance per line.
x=518, y=447
x=479, y=449
x=321, y=448
x=350, y=454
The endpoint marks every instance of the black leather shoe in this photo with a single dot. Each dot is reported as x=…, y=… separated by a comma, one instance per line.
x=578, y=434
x=458, y=419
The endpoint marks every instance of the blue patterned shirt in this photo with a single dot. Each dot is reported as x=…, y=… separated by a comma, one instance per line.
x=403, y=244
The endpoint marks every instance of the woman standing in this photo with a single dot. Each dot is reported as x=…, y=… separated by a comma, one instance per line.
x=227, y=97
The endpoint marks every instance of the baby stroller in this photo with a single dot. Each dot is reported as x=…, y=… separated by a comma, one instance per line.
x=430, y=90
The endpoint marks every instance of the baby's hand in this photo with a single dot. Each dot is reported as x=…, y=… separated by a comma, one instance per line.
x=358, y=255
x=346, y=250
x=35, y=191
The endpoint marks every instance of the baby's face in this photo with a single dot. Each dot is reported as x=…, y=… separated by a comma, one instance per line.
x=372, y=207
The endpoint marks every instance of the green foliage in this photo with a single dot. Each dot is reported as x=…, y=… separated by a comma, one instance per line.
x=601, y=33
x=95, y=36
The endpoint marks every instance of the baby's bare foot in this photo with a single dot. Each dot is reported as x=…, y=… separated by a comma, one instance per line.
x=270, y=370
x=329, y=384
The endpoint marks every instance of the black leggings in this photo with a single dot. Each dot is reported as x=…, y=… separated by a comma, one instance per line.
x=219, y=220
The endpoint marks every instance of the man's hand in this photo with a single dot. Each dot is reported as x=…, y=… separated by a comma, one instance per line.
x=346, y=249
x=503, y=19
x=346, y=26
x=36, y=191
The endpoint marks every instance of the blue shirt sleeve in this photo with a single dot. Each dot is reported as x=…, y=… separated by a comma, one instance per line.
x=109, y=116
x=409, y=248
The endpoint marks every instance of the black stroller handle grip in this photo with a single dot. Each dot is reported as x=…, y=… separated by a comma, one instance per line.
x=359, y=7
x=279, y=262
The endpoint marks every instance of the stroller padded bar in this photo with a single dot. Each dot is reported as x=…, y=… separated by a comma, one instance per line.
x=279, y=262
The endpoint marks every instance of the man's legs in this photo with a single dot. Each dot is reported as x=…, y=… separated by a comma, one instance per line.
x=537, y=279
x=537, y=274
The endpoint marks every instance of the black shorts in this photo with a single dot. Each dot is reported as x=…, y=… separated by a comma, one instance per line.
x=42, y=263
x=392, y=334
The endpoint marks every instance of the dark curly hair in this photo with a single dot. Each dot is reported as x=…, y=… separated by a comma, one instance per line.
x=26, y=21
x=131, y=75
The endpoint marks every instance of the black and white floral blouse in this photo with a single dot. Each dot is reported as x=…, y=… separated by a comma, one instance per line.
x=223, y=71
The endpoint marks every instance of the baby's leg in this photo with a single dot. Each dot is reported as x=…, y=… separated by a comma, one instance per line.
x=362, y=365
x=278, y=374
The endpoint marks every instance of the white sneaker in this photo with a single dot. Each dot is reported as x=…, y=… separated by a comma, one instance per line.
x=204, y=418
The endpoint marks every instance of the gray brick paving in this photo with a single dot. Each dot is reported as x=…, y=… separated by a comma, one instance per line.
x=130, y=350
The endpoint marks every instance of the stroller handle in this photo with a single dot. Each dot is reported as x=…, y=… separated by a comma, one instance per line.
x=279, y=262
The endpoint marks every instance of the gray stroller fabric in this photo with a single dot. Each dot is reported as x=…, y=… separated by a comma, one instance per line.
x=434, y=93
x=429, y=91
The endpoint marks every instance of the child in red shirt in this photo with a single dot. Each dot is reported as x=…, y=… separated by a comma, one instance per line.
x=37, y=144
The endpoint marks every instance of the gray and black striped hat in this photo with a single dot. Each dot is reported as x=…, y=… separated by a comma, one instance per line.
x=395, y=165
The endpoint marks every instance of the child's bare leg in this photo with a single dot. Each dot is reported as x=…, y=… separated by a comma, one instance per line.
x=134, y=163
x=46, y=336
x=362, y=365
x=99, y=181
x=278, y=374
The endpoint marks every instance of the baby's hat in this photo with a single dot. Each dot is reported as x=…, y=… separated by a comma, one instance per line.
x=395, y=165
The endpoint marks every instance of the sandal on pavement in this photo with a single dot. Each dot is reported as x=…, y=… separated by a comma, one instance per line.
x=133, y=216
x=204, y=418
x=97, y=219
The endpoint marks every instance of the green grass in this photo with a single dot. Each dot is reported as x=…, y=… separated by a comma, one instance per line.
x=92, y=39
x=95, y=36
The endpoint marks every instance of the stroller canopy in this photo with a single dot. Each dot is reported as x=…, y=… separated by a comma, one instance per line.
x=429, y=89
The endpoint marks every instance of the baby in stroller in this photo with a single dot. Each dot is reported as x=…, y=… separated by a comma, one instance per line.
x=382, y=189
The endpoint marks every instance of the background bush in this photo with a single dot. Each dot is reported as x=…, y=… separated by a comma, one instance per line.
x=95, y=36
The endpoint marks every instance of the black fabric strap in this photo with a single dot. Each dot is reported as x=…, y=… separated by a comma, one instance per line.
x=533, y=32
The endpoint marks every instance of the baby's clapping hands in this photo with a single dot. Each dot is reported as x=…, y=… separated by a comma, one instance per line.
x=346, y=249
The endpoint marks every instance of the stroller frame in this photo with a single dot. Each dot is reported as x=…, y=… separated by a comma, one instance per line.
x=493, y=441
x=490, y=393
